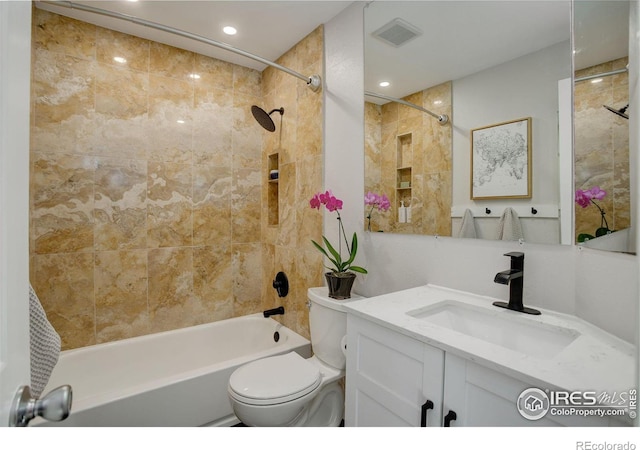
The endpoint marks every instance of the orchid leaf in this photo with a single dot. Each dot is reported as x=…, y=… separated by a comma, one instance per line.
x=319, y=247
x=333, y=251
x=358, y=269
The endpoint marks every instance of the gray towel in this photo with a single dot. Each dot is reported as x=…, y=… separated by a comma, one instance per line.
x=509, y=228
x=44, y=343
x=467, y=226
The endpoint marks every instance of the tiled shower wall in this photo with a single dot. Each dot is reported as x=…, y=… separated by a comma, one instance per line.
x=602, y=146
x=298, y=142
x=430, y=159
x=146, y=183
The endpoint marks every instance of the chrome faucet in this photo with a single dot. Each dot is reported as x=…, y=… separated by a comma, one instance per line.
x=514, y=277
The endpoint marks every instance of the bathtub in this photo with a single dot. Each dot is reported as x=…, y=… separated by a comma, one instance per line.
x=174, y=378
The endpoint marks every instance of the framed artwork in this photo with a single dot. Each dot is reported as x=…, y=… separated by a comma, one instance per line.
x=501, y=160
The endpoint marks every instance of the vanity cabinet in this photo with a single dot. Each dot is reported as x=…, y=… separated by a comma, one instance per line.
x=395, y=380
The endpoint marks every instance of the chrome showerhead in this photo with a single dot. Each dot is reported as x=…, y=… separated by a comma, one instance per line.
x=622, y=112
x=264, y=118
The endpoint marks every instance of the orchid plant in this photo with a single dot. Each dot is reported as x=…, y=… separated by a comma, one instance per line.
x=381, y=202
x=587, y=197
x=341, y=266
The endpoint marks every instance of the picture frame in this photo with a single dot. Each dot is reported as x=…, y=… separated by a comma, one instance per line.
x=501, y=160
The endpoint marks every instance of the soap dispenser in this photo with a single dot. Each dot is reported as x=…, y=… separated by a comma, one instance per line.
x=402, y=213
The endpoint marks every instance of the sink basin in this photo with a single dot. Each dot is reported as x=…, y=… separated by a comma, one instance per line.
x=500, y=327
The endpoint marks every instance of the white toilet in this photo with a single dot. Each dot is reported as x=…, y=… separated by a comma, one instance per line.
x=290, y=391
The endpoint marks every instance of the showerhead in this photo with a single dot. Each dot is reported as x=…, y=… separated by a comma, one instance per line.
x=264, y=118
x=622, y=112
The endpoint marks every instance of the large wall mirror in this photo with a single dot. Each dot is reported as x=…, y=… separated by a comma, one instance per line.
x=601, y=123
x=491, y=67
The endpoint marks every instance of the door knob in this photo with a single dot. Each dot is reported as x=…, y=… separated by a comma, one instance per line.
x=55, y=406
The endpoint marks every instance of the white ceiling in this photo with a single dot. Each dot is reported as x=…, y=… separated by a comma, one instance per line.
x=459, y=37
x=265, y=28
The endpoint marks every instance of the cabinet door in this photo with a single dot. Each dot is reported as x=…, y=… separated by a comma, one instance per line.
x=479, y=396
x=385, y=377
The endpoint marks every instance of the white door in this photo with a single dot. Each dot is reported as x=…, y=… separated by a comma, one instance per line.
x=15, y=56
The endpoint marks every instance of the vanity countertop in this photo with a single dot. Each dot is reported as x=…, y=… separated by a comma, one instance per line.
x=594, y=360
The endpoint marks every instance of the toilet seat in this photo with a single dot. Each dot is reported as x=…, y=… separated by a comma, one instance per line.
x=273, y=380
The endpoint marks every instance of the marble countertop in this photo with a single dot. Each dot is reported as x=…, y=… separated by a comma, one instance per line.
x=594, y=360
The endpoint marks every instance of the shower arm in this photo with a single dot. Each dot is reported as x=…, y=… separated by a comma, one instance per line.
x=442, y=118
x=313, y=81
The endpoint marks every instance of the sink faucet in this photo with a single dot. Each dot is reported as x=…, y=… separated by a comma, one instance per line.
x=514, y=277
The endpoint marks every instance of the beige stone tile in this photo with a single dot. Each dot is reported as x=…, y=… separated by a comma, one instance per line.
x=169, y=205
x=213, y=128
x=247, y=133
x=213, y=280
x=310, y=49
x=65, y=286
x=247, y=81
x=112, y=44
x=309, y=123
x=170, y=124
x=120, y=204
x=214, y=73
x=171, y=289
x=63, y=86
x=121, y=93
x=287, y=231
x=247, y=270
x=121, y=295
x=211, y=205
x=62, y=34
x=245, y=205
x=172, y=62
x=124, y=138
x=62, y=203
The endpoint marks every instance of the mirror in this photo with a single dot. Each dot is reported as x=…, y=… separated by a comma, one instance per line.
x=601, y=121
x=486, y=65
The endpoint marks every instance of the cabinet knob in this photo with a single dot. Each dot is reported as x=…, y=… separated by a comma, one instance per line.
x=423, y=417
x=451, y=415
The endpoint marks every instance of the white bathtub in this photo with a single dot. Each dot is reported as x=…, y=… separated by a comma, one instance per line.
x=174, y=378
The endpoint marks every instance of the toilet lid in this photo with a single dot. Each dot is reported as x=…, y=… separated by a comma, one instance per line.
x=276, y=379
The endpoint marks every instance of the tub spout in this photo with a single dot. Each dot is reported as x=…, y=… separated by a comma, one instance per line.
x=273, y=312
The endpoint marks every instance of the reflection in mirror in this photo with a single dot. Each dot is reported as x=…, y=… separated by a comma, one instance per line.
x=601, y=120
x=502, y=63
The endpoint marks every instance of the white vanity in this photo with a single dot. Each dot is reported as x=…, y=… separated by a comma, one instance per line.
x=432, y=356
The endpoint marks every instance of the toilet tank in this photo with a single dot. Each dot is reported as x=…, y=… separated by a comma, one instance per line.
x=328, y=326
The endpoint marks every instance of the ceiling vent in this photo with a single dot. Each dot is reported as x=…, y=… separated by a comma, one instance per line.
x=397, y=32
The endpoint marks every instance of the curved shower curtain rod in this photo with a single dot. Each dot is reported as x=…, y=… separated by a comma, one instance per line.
x=442, y=118
x=313, y=81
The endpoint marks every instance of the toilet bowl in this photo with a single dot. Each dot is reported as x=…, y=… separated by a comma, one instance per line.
x=288, y=390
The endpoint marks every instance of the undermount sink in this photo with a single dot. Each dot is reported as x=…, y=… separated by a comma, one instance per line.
x=500, y=327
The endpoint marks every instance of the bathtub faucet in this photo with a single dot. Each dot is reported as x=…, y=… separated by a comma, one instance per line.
x=274, y=311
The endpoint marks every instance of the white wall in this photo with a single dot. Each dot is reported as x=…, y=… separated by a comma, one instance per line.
x=597, y=286
x=524, y=87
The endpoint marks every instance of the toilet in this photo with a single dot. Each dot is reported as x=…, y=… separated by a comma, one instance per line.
x=291, y=391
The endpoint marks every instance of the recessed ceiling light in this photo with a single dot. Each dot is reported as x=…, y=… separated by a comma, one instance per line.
x=229, y=30
x=597, y=80
x=120, y=59
x=384, y=84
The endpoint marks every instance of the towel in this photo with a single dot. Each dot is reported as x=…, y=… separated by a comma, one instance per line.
x=44, y=344
x=509, y=228
x=467, y=226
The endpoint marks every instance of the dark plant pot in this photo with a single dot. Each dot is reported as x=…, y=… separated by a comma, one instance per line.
x=340, y=284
